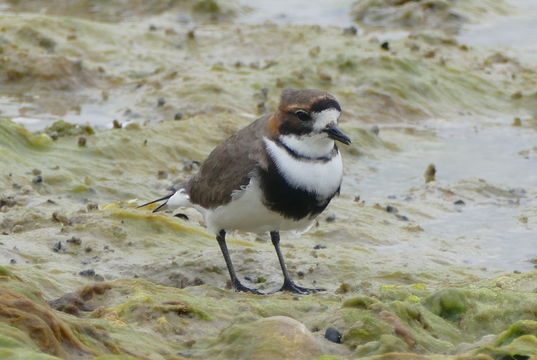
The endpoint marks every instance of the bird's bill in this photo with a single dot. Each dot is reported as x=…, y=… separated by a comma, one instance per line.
x=335, y=134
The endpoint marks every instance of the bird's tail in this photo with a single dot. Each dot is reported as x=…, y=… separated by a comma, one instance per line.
x=167, y=197
x=172, y=201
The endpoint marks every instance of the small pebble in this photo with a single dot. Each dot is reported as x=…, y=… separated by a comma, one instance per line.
x=459, y=202
x=116, y=124
x=162, y=174
x=92, y=207
x=88, y=249
x=391, y=209
x=331, y=218
x=74, y=240
x=401, y=217
x=56, y=216
x=37, y=179
x=36, y=172
x=87, y=273
x=8, y=201
x=319, y=246
x=152, y=27
x=343, y=288
x=178, y=115
x=430, y=173
x=333, y=335
x=82, y=141
x=385, y=46
x=351, y=30
x=375, y=129
x=161, y=102
x=17, y=228
x=57, y=246
x=12, y=261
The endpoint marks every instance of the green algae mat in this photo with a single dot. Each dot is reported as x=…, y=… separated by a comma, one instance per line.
x=428, y=253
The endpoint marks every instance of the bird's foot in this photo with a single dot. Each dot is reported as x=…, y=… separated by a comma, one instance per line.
x=290, y=286
x=239, y=287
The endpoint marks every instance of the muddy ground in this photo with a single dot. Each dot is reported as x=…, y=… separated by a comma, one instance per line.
x=103, y=105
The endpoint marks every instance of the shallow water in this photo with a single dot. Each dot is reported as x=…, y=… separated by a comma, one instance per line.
x=517, y=30
x=334, y=13
x=184, y=86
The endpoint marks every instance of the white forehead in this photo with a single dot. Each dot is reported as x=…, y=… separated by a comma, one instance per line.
x=325, y=117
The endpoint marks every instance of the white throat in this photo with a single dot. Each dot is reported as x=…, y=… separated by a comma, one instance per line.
x=316, y=144
x=313, y=145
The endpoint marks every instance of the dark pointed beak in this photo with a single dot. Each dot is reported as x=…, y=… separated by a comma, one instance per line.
x=336, y=134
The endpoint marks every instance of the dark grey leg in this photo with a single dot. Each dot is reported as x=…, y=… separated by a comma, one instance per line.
x=288, y=284
x=237, y=286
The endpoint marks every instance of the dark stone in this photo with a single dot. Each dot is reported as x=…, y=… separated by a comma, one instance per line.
x=57, y=246
x=392, y=209
x=178, y=115
x=351, y=30
x=87, y=273
x=401, y=217
x=82, y=141
x=74, y=240
x=319, y=246
x=331, y=218
x=37, y=179
x=333, y=335
x=161, y=102
x=459, y=202
x=385, y=46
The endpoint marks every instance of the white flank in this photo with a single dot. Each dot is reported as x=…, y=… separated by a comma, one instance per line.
x=322, y=178
x=247, y=212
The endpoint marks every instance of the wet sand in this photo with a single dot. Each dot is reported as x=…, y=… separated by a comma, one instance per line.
x=439, y=269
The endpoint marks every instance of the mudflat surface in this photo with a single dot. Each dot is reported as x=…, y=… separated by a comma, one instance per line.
x=103, y=105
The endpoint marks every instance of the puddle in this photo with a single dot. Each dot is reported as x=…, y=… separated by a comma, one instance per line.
x=489, y=228
x=515, y=31
x=490, y=153
x=302, y=12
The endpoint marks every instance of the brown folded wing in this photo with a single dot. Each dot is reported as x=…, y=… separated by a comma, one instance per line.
x=230, y=166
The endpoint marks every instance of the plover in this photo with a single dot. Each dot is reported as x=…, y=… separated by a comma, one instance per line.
x=278, y=173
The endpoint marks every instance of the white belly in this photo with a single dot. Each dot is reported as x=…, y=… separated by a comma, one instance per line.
x=247, y=212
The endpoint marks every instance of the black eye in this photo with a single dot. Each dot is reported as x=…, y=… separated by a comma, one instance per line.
x=302, y=115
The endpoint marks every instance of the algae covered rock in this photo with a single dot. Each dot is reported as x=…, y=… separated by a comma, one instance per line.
x=272, y=338
x=517, y=342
